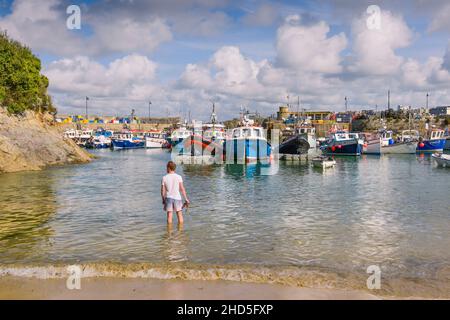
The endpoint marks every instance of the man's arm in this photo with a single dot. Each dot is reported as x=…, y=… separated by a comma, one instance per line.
x=183, y=192
x=163, y=193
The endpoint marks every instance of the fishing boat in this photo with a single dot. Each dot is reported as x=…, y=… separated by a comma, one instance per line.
x=127, y=140
x=178, y=135
x=100, y=140
x=301, y=141
x=308, y=132
x=442, y=160
x=248, y=143
x=323, y=162
x=384, y=143
x=435, y=142
x=295, y=144
x=343, y=143
x=213, y=132
x=156, y=140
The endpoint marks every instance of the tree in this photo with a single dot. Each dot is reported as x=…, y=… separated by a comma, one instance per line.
x=22, y=86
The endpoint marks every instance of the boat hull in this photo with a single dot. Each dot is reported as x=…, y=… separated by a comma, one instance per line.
x=344, y=148
x=431, y=145
x=155, y=143
x=294, y=145
x=400, y=148
x=323, y=163
x=447, y=144
x=248, y=150
x=127, y=144
x=373, y=147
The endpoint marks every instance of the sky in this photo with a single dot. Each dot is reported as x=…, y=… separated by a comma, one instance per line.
x=183, y=55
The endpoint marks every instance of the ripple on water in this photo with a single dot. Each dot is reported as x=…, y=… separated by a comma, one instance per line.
x=390, y=211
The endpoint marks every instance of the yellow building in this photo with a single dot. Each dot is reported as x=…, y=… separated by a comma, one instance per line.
x=284, y=113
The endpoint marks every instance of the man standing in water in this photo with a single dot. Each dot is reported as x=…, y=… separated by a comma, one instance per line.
x=171, y=190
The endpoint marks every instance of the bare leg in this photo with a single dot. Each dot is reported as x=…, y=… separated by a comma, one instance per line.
x=169, y=217
x=180, y=217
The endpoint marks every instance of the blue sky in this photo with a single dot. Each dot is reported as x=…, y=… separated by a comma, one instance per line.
x=184, y=54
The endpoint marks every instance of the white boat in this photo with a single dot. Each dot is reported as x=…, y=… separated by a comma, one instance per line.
x=178, y=135
x=155, y=139
x=400, y=148
x=442, y=160
x=384, y=143
x=249, y=144
x=80, y=137
x=323, y=162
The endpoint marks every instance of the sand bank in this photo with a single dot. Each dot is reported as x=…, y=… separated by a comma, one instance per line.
x=129, y=288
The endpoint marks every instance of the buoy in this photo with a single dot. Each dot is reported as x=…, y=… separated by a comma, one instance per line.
x=333, y=148
x=339, y=147
x=421, y=145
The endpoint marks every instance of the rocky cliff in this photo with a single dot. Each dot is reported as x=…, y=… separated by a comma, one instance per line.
x=31, y=142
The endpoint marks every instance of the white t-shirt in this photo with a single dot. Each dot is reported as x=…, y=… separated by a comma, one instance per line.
x=171, y=182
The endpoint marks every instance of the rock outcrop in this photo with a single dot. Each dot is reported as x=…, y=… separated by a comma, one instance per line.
x=32, y=142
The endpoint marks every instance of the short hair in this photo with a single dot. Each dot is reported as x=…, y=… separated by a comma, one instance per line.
x=171, y=166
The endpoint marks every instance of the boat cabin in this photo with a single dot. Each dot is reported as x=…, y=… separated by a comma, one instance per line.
x=409, y=135
x=343, y=135
x=248, y=132
x=181, y=133
x=213, y=134
x=437, y=134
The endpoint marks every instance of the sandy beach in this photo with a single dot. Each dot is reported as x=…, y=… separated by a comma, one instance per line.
x=154, y=289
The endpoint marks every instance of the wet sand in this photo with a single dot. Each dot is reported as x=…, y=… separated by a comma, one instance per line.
x=154, y=289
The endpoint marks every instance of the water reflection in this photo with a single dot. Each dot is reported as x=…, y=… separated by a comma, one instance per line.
x=391, y=210
x=175, y=244
x=28, y=203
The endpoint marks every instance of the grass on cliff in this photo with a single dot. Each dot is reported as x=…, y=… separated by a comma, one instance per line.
x=22, y=86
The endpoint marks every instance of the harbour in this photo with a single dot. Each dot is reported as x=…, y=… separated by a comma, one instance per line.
x=202, y=150
x=298, y=227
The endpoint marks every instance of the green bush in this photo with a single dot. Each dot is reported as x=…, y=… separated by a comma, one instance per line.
x=22, y=86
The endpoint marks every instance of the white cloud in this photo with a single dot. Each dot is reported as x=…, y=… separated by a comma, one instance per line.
x=42, y=26
x=265, y=15
x=375, y=49
x=130, y=78
x=308, y=47
x=441, y=20
x=126, y=35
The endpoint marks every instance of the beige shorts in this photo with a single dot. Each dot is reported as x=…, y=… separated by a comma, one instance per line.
x=173, y=205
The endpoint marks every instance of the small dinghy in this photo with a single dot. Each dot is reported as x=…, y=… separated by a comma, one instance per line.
x=323, y=162
x=442, y=160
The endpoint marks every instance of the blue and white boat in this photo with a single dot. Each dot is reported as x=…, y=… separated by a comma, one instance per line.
x=178, y=135
x=435, y=142
x=343, y=143
x=248, y=144
x=127, y=141
x=100, y=140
